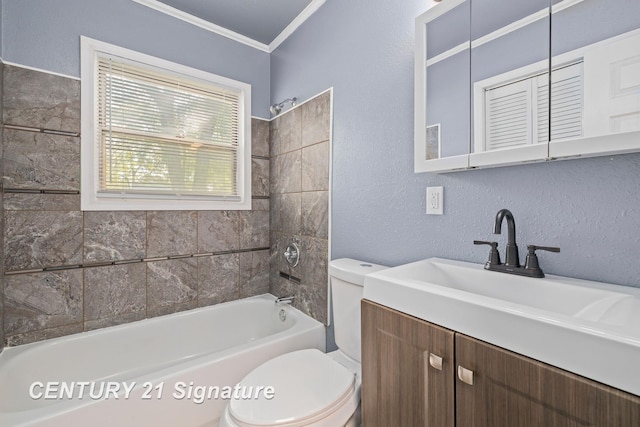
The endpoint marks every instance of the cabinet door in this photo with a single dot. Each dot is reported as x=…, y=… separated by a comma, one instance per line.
x=511, y=390
x=407, y=370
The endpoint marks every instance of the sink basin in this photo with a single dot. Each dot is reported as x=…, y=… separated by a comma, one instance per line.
x=589, y=328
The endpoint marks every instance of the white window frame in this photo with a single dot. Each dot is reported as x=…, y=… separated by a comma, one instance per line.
x=90, y=198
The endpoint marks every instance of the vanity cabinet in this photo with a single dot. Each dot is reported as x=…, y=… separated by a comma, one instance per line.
x=493, y=387
x=400, y=385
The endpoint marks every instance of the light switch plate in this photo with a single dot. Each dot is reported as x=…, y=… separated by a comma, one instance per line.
x=435, y=200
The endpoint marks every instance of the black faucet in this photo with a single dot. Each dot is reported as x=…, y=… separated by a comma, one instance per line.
x=513, y=259
x=512, y=262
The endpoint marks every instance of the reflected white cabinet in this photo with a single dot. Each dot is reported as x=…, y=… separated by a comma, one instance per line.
x=482, y=75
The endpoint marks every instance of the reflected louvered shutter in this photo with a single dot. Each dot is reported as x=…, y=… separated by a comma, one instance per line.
x=508, y=115
x=163, y=134
x=518, y=113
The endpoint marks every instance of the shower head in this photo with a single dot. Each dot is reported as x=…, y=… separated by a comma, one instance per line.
x=277, y=108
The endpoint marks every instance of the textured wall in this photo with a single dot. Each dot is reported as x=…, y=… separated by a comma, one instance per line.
x=67, y=271
x=364, y=49
x=46, y=34
x=300, y=154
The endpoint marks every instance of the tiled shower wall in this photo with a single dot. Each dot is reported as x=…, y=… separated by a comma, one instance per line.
x=300, y=158
x=1, y=219
x=67, y=271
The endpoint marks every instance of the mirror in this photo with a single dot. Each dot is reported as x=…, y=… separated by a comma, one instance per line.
x=501, y=110
x=595, y=102
x=509, y=79
x=443, y=63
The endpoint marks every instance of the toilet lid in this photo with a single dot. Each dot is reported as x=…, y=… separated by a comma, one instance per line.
x=306, y=384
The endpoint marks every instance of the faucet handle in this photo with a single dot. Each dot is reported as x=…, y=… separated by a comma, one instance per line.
x=533, y=248
x=494, y=255
x=531, y=263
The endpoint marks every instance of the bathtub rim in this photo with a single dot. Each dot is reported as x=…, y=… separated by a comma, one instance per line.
x=304, y=324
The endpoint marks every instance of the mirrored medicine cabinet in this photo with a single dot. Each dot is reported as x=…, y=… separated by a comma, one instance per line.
x=502, y=82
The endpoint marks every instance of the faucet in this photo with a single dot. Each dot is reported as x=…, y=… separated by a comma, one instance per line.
x=512, y=265
x=284, y=300
x=513, y=259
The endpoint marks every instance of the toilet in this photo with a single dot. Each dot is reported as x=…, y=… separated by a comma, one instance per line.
x=312, y=388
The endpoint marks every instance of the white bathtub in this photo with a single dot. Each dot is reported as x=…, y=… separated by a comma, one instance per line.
x=157, y=359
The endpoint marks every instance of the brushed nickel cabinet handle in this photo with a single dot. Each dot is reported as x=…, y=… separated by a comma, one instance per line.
x=435, y=361
x=465, y=375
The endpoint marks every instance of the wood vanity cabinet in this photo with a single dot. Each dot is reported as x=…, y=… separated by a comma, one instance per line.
x=401, y=388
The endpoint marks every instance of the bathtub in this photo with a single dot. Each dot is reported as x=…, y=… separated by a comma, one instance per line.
x=174, y=370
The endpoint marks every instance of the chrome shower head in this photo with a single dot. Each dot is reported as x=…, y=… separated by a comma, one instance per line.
x=277, y=108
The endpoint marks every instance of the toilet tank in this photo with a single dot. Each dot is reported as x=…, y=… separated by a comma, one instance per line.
x=347, y=281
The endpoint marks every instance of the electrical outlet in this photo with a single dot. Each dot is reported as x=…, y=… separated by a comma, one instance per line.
x=435, y=200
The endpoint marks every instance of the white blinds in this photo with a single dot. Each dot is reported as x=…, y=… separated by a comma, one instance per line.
x=160, y=133
x=518, y=113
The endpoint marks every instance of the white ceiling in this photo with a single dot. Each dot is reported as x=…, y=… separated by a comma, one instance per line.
x=263, y=24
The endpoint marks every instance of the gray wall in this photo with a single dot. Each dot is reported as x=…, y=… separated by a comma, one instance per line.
x=67, y=271
x=364, y=49
x=46, y=34
x=299, y=203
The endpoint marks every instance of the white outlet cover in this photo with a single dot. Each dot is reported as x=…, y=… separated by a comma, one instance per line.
x=435, y=200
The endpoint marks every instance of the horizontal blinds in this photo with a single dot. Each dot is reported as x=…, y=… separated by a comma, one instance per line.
x=160, y=133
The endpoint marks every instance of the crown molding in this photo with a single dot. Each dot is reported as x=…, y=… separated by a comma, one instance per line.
x=298, y=21
x=225, y=32
x=206, y=25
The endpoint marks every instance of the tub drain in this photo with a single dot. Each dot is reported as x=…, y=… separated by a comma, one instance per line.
x=283, y=315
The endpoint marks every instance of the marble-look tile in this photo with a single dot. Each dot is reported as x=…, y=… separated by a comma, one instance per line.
x=315, y=167
x=254, y=229
x=41, y=161
x=254, y=273
x=279, y=244
x=172, y=233
x=112, y=236
x=315, y=208
x=41, y=100
x=42, y=239
x=90, y=325
x=170, y=283
x=286, y=173
x=163, y=310
x=44, y=334
x=286, y=132
x=290, y=214
x=113, y=291
x=316, y=119
x=259, y=177
x=41, y=202
x=314, y=261
x=275, y=208
x=259, y=137
x=37, y=301
x=260, y=204
x=312, y=300
x=218, y=231
x=218, y=279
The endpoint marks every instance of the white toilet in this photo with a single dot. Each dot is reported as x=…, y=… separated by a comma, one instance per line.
x=313, y=388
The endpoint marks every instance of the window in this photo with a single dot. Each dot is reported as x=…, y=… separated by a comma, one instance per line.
x=159, y=135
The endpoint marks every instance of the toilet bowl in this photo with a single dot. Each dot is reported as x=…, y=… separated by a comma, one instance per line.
x=311, y=388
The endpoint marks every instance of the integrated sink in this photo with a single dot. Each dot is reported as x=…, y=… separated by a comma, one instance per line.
x=590, y=328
